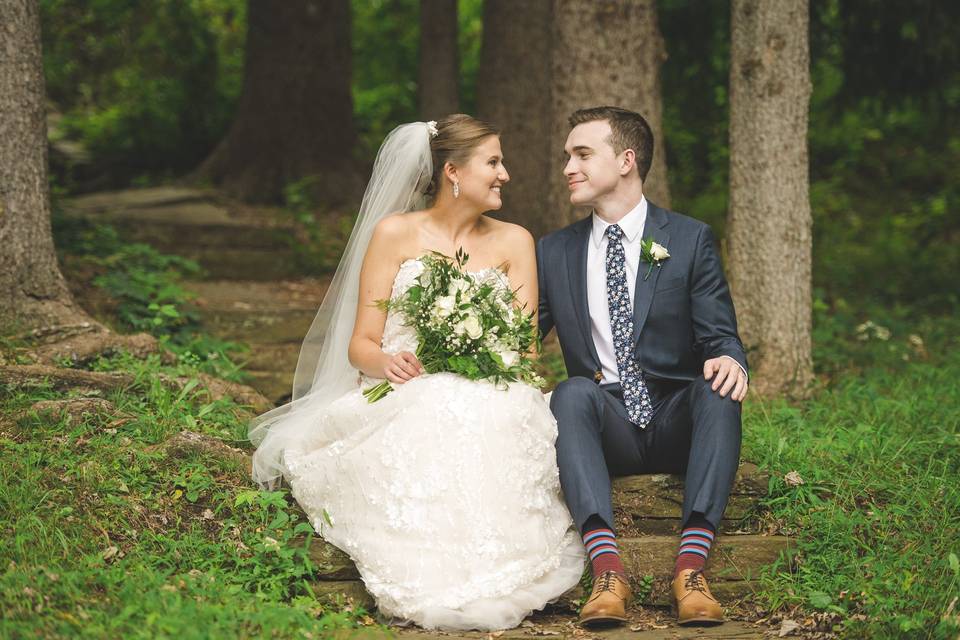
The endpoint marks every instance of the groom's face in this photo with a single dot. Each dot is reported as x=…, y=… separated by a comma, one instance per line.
x=593, y=167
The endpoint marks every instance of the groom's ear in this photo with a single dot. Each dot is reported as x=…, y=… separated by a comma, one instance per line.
x=628, y=161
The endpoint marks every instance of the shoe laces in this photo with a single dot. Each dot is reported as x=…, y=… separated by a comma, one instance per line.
x=606, y=581
x=696, y=582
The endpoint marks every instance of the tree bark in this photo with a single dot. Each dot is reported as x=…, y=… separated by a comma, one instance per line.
x=33, y=292
x=769, y=225
x=295, y=115
x=439, y=75
x=514, y=83
x=608, y=52
x=541, y=61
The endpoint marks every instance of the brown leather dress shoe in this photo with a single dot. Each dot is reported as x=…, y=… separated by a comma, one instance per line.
x=695, y=603
x=608, y=602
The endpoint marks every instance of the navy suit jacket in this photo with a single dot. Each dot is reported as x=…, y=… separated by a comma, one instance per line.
x=683, y=313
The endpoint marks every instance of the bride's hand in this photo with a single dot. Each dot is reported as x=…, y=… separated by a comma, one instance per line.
x=401, y=367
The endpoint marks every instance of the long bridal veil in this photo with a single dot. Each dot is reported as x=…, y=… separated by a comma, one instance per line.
x=401, y=172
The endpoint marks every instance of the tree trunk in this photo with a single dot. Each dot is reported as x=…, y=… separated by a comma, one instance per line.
x=295, y=115
x=33, y=292
x=608, y=52
x=514, y=93
x=439, y=85
x=542, y=61
x=769, y=234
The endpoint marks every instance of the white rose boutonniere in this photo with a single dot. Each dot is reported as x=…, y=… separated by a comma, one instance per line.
x=653, y=254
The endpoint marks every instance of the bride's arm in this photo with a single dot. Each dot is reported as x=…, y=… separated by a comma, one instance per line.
x=523, y=271
x=376, y=283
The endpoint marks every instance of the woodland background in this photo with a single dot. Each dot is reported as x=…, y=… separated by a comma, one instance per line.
x=819, y=139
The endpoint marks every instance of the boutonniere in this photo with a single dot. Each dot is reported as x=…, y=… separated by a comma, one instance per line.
x=652, y=253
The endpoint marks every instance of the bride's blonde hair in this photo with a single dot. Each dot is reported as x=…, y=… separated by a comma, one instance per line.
x=457, y=136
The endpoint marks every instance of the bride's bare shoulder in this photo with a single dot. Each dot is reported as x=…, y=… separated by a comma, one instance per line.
x=395, y=238
x=398, y=227
x=510, y=234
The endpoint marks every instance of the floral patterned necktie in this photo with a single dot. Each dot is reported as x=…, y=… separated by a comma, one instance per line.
x=635, y=394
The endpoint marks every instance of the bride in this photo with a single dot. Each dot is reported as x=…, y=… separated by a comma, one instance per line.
x=445, y=492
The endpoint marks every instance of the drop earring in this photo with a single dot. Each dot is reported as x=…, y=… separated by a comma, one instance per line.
x=456, y=189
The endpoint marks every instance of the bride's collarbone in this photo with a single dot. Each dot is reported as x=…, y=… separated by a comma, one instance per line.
x=476, y=262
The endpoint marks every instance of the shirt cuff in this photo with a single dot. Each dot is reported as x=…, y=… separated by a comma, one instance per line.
x=745, y=374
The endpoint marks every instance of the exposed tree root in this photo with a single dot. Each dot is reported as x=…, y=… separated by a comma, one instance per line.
x=73, y=409
x=187, y=442
x=81, y=348
x=62, y=379
x=35, y=375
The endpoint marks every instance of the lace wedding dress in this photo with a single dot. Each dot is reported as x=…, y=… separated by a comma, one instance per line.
x=445, y=493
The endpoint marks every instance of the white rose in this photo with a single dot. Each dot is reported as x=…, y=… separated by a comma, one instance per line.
x=659, y=252
x=458, y=285
x=471, y=327
x=510, y=358
x=444, y=306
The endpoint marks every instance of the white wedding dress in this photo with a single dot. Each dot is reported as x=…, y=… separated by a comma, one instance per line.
x=445, y=493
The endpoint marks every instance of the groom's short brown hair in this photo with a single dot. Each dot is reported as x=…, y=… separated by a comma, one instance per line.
x=630, y=131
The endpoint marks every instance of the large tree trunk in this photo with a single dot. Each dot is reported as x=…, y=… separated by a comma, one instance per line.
x=608, y=52
x=295, y=115
x=514, y=93
x=439, y=75
x=32, y=290
x=542, y=61
x=769, y=235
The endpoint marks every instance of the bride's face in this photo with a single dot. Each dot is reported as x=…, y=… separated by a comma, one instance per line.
x=483, y=175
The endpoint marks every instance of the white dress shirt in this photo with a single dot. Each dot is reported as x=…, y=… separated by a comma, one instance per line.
x=632, y=225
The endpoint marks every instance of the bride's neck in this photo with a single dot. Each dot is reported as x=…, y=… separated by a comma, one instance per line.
x=453, y=220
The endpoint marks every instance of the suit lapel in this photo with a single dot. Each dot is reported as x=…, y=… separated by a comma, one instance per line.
x=577, y=271
x=656, y=227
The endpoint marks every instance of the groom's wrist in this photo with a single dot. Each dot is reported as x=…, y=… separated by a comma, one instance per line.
x=742, y=368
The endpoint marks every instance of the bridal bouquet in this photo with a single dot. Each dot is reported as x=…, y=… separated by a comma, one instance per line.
x=466, y=323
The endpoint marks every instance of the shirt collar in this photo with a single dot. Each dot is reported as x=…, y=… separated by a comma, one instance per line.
x=632, y=224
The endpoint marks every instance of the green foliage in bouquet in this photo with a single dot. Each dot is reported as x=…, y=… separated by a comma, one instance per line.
x=466, y=323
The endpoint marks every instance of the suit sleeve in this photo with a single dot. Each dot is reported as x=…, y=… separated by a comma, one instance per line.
x=544, y=315
x=714, y=318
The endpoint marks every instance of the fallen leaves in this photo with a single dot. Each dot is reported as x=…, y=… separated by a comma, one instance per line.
x=793, y=479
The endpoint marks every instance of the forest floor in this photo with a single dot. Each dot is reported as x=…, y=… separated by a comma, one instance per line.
x=259, y=303
x=130, y=512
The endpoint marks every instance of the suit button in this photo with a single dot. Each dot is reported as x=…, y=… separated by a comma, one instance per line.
x=598, y=376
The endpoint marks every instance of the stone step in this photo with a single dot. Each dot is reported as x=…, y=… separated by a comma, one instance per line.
x=734, y=566
x=226, y=240
x=561, y=627
x=651, y=504
x=260, y=327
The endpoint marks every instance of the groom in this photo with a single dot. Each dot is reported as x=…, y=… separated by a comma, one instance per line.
x=657, y=370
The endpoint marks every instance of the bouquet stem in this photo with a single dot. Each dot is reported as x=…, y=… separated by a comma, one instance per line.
x=376, y=393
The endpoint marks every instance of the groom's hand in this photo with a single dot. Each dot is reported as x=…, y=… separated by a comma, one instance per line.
x=727, y=376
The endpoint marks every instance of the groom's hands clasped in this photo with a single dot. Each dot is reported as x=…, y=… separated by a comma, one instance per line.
x=727, y=376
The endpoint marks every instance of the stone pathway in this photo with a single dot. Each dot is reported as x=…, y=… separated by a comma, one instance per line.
x=271, y=317
x=255, y=296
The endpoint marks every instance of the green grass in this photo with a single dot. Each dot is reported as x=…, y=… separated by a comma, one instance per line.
x=877, y=517
x=106, y=535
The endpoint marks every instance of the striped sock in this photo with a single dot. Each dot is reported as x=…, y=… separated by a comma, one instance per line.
x=601, y=545
x=695, y=543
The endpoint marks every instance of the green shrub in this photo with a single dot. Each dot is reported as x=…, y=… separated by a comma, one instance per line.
x=145, y=292
x=147, y=87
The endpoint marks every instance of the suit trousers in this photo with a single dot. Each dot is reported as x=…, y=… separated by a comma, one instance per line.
x=694, y=431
